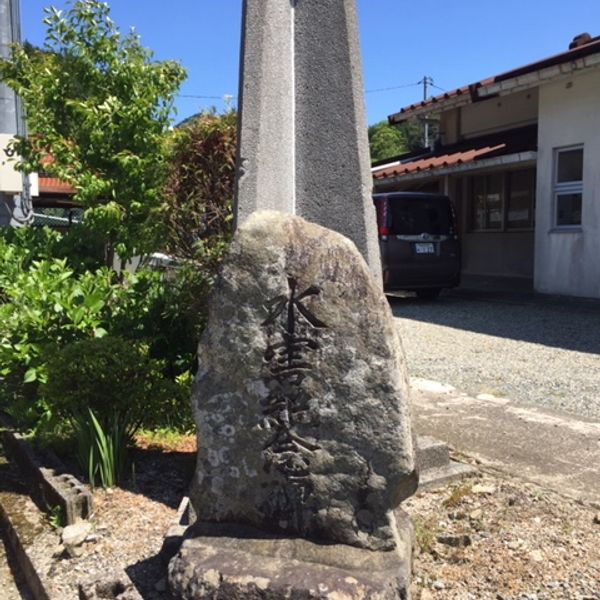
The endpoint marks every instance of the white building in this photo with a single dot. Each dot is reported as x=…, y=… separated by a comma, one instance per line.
x=520, y=155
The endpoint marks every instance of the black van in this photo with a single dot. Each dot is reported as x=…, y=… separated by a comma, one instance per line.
x=420, y=249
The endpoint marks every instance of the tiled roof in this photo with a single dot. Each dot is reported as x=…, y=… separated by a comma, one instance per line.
x=435, y=162
x=591, y=46
x=497, y=144
x=51, y=185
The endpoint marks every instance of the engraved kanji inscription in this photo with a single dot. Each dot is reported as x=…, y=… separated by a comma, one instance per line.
x=290, y=356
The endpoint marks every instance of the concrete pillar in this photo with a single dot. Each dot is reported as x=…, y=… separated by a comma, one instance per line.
x=9, y=33
x=303, y=144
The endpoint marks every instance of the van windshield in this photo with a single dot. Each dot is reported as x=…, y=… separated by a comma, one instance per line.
x=414, y=216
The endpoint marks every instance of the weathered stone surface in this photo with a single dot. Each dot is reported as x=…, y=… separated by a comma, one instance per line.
x=301, y=398
x=233, y=563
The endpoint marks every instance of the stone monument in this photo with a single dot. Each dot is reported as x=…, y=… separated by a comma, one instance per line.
x=304, y=426
x=305, y=448
x=303, y=144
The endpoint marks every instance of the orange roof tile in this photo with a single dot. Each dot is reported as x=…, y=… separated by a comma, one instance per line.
x=52, y=185
x=435, y=162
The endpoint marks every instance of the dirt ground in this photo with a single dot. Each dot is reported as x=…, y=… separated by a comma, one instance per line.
x=488, y=537
x=500, y=538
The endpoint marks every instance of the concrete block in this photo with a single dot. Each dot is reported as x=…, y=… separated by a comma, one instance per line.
x=55, y=487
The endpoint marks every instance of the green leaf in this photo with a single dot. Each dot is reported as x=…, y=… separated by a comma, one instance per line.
x=94, y=302
x=30, y=375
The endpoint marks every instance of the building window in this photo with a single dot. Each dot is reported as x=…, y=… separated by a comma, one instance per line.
x=487, y=206
x=520, y=199
x=568, y=186
x=501, y=201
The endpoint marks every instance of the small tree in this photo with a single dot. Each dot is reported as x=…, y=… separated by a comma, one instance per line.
x=97, y=110
x=199, y=193
x=388, y=141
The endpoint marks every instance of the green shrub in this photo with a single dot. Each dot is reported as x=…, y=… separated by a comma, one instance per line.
x=108, y=375
x=82, y=248
x=46, y=304
x=165, y=312
x=107, y=388
x=44, y=307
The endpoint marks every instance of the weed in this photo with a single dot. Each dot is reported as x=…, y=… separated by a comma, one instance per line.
x=426, y=533
x=536, y=494
x=457, y=495
x=55, y=517
x=567, y=528
x=166, y=439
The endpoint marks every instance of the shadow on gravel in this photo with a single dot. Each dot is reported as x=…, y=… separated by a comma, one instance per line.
x=570, y=324
x=18, y=579
x=11, y=489
x=149, y=578
x=164, y=477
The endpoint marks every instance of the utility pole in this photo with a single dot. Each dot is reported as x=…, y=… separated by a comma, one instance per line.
x=426, y=81
x=15, y=206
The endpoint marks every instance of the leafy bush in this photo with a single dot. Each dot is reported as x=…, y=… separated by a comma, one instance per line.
x=44, y=307
x=107, y=388
x=82, y=247
x=108, y=375
x=167, y=312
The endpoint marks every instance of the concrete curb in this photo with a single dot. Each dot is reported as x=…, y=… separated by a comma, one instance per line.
x=20, y=540
x=34, y=583
x=558, y=451
x=56, y=487
x=436, y=468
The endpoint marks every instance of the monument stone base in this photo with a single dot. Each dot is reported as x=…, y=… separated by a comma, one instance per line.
x=233, y=562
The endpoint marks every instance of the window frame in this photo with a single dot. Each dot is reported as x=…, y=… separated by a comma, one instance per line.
x=566, y=188
x=505, y=200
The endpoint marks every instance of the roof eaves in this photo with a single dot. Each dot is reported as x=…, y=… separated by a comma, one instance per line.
x=528, y=80
x=473, y=166
x=587, y=55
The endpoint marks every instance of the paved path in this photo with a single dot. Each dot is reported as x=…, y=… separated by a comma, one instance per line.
x=555, y=450
x=543, y=351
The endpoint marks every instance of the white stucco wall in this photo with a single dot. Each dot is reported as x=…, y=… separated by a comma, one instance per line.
x=495, y=114
x=569, y=114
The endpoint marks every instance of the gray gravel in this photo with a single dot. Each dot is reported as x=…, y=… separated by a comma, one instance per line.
x=540, y=350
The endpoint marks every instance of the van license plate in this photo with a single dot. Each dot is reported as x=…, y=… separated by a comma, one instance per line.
x=424, y=248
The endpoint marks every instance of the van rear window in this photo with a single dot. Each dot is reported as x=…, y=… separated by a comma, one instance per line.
x=413, y=216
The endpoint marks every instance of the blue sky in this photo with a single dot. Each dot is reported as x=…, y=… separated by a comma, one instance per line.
x=455, y=42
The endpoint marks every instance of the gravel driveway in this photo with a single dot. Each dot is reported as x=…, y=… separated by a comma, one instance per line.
x=540, y=350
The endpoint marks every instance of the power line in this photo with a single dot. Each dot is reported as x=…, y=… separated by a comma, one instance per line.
x=396, y=87
x=205, y=97
x=373, y=91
